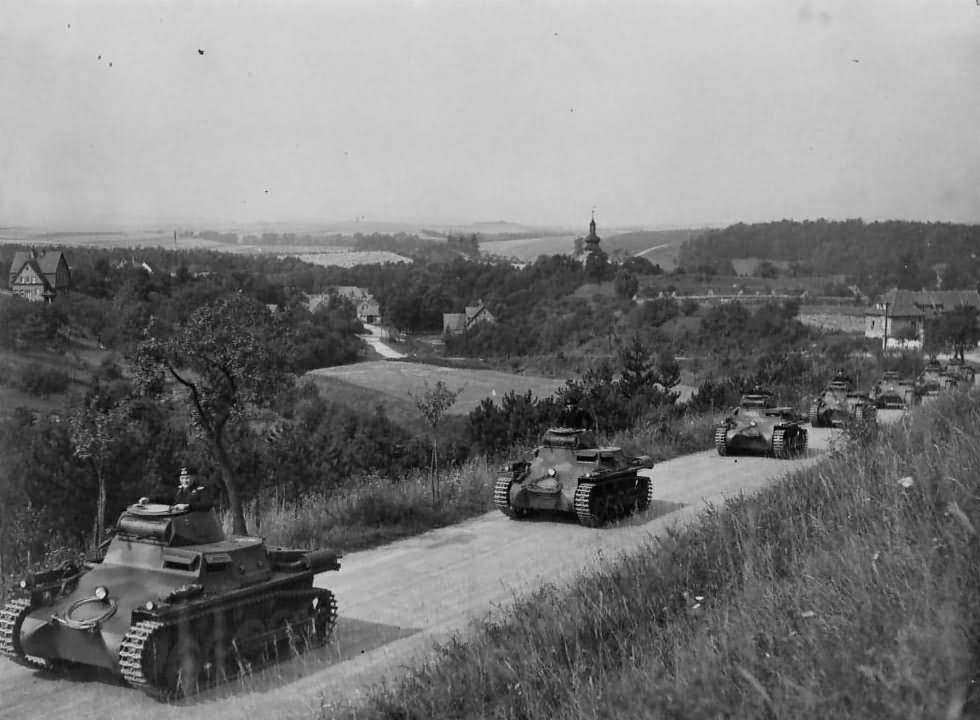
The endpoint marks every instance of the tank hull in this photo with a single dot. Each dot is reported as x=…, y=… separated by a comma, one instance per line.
x=595, y=484
x=168, y=616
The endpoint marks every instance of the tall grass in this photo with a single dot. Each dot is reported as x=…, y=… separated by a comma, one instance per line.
x=848, y=591
x=378, y=511
x=372, y=512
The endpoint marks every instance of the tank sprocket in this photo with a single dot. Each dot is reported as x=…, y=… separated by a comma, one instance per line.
x=501, y=498
x=11, y=619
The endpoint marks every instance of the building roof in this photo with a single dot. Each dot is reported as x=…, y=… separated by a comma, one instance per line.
x=911, y=303
x=353, y=292
x=45, y=262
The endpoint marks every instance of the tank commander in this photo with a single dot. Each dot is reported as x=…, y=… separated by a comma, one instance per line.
x=190, y=495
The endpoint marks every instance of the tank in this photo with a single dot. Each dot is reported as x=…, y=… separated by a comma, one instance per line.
x=570, y=473
x=840, y=403
x=758, y=426
x=893, y=393
x=963, y=374
x=932, y=381
x=173, y=605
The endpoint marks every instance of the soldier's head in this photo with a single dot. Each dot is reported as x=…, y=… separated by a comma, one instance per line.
x=188, y=476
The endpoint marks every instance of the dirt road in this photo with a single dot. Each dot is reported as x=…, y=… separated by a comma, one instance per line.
x=395, y=601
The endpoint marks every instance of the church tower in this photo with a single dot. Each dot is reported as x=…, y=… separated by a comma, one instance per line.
x=592, y=241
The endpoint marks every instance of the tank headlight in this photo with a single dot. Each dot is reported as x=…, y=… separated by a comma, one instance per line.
x=552, y=472
x=23, y=584
x=752, y=424
x=150, y=605
x=101, y=592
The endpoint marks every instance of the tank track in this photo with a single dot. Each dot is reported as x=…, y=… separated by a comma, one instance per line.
x=815, y=414
x=11, y=618
x=501, y=496
x=720, y=445
x=644, y=493
x=786, y=450
x=137, y=643
x=618, y=500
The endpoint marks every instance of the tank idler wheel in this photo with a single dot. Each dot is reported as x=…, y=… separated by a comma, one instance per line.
x=720, y=444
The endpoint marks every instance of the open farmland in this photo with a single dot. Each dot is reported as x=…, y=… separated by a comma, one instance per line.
x=397, y=382
x=351, y=258
x=528, y=249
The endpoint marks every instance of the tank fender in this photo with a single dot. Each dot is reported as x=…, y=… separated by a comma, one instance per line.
x=317, y=561
x=643, y=461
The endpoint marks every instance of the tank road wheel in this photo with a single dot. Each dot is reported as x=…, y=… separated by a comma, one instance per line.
x=11, y=619
x=501, y=498
x=720, y=445
x=591, y=504
x=815, y=414
x=183, y=670
x=246, y=641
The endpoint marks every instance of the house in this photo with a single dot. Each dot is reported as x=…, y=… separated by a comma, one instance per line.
x=368, y=309
x=39, y=276
x=473, y=315
x=898, y=318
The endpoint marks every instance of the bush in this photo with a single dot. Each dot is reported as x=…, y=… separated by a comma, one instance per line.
x=38, y=380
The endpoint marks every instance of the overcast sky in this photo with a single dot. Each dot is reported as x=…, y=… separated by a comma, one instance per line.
x=664, y=112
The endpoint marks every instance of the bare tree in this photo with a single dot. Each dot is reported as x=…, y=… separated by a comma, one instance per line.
x=433, y=404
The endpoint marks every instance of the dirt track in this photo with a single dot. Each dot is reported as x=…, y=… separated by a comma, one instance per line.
x=395, y=601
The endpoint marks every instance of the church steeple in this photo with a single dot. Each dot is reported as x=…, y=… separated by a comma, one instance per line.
x=592, y=241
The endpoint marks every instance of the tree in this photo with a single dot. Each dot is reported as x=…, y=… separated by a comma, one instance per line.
x=433, y=404
x=229, y=357
x=96, y=434
x=626, y=284
x=957, y=329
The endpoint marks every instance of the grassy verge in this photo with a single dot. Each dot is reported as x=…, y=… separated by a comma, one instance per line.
x=380, y=511
x=848, y=591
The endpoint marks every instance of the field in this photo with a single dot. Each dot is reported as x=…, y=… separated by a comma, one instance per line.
x=395, y=383
x=527, y=249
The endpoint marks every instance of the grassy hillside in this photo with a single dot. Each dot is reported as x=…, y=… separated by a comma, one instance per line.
x=394, y=383
x=848, y=591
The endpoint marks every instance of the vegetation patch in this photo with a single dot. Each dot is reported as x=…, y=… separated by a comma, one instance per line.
x=400, y=380
x=848, y=591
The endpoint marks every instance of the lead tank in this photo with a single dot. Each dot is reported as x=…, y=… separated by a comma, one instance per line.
x=173, y=606
x=569, y=472
x=758, y=426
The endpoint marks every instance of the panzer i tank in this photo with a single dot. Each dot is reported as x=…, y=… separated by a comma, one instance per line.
x=960, y=372
x=932, y=381
x=173, y=606
x=892, y=393
x=758, y=426
x=840, y=403
x=569, y=473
